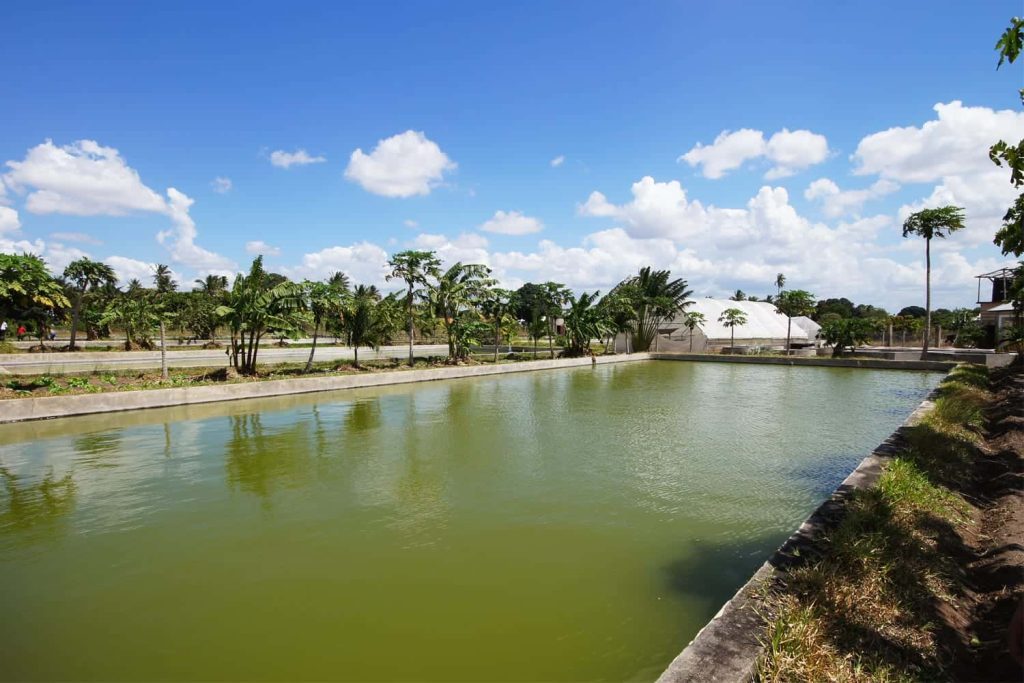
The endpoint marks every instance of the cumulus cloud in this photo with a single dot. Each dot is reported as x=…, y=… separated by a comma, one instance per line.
x=131, y=269
x=658, y=209
x=80, y=179
x=404, y=165
x=257, y=247
x=836, y=202
x=85, y=178
x=511, y=223
x=790, y=151
x=363, y=262
x=221, y=185
x=300, y=157
x=9, y=221
x=558, y=161
x=467, y=248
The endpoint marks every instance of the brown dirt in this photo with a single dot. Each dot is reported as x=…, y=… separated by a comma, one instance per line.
x=978, y=624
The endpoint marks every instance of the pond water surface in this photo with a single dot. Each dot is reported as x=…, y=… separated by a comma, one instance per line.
x=557, y=525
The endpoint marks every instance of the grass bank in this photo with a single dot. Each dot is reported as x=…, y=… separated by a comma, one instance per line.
x=890, y=596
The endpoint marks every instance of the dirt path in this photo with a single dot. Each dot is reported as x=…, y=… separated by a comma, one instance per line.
x=995, y=567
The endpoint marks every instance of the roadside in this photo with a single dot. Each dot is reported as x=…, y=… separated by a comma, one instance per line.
x=920, y=578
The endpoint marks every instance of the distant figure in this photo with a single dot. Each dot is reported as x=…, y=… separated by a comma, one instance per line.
x=21, y=332
x=53, y=334
x=3, y=331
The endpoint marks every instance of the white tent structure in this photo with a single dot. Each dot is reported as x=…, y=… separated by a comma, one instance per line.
x=765, y=328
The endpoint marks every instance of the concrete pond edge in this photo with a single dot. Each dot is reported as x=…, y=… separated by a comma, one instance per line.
x=727, y=647
x=50, y=407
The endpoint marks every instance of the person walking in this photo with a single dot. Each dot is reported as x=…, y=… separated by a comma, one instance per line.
x=22, y=332
x=3, y=331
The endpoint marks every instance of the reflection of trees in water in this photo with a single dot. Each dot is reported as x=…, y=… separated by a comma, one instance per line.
x=98, y=443
x=261, y=460
x=363, y=416
x=29, y=505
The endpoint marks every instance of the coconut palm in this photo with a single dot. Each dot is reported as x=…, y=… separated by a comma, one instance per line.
x=931, y=223
x=780, y=282
x=370, y=320
x=414, y=268
x=793, y=303
x=655, y=299
x=455, y=293
x=163, y=279
x=213, y=285
x=733, y=318
x=691, y=321
x=585, y=321
x=84, y=278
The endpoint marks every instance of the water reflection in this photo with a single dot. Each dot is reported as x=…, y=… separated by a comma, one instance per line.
x=263, y=460
x=28, y=506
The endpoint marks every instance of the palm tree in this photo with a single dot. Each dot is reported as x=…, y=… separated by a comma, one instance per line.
x=780, y=282
x=620, y=314
x=457, y=291
x=930, y=223
x=324, y=300
x=732, y=318
x=495, y=304
x=213, y=285
x=655, y=299
x=84, y=277
x=555, y=297
x=369, y=320
x=691, y=321
x=413, y=267
x=163, y=279
x=584, y=321
x=793, y=303
x=739, y=295
x=257, y=303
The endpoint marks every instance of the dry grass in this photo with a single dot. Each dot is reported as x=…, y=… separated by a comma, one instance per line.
x=869, y=608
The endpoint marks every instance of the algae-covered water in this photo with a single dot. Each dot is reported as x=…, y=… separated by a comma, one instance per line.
x=561, y=525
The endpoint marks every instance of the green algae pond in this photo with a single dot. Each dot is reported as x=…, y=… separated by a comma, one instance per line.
x=575, y=524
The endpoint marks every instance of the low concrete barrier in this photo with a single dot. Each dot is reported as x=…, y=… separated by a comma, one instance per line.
x=868, y=363
x=727, y=648
x=20, y=409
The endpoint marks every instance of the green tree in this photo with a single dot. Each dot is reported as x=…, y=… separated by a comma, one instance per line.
x=844, y=333
x=584, y=321
x=212, y=285
x=495, y=303
x=1010, y=237
x=85, y=278
x=454, y=297
x=258, y=303
x=28, y=291
x=780, y=282
x=415, y=268
x=556, y=295
x=655, y=298
x=738, y=295
x=732, y=318
x=692, y=320
x=324, y=301
x=370, y=320
x=163, y=279
x=619, y=313
x=794, y=303
x=929, y=224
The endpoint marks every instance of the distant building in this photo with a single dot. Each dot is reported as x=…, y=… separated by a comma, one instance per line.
x=997, y=312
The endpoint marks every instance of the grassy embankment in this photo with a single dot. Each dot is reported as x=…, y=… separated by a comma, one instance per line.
x=877, y=604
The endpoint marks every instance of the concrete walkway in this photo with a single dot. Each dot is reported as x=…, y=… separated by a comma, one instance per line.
x=100, y=361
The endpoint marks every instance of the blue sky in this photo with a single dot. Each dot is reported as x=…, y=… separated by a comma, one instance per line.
x=825, y=114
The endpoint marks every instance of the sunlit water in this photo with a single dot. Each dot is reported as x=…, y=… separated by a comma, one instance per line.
x=558, y=525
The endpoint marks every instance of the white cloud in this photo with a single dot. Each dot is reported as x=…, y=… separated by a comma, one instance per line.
x=364, y=263
x=410, y=223
x=558, y=161
x=511, y=223
x=657, y=210
x=80, y=179
x=836, y=202
x=9, y=221
x=131, y=269
x=404, y=165
x=82, y=237
x=467, y=248
x=790, y=151
x=88, y=179
x=301, y=157
x=221, y=185
x=257, y=247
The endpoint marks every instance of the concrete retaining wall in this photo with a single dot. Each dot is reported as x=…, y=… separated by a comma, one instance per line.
x=20, y=409
x=728, y=647
x=869, y=363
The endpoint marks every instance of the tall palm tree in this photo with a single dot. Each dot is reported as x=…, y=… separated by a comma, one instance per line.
x=369, y=320
x=414, y=268
x=457, y=291
x=495, y=304
x=84, y=277
x=655, y=298
x=732, y=318
x=780, y=282
x=793, y=303
x=691, y=321
x=212, y=285
x=163, y=279
x=555, y=296
x=931, y=223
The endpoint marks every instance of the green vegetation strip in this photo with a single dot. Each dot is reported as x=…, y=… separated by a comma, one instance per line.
x=868, y=607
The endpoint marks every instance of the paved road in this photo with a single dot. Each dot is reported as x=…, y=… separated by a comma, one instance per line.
x=63, y=363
